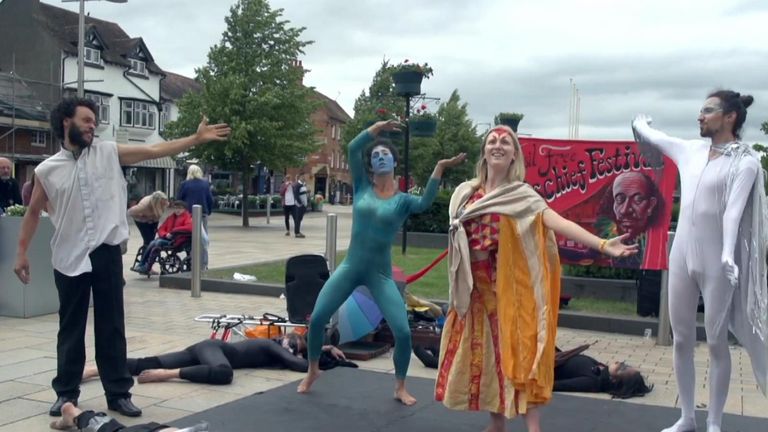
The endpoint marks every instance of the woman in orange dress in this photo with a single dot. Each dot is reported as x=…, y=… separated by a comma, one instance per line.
x=498, y=345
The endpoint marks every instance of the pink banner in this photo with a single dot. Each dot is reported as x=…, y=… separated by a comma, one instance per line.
x=609, y=188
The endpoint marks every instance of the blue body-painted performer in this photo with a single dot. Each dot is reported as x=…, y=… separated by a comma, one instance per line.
x=378, y=213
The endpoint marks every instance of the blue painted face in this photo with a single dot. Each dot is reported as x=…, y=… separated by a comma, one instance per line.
x=382, y=161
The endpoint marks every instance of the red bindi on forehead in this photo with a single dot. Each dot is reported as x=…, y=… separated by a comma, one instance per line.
x=500, y=131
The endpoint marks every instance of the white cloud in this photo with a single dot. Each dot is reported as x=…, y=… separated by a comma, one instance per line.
x=657, y=56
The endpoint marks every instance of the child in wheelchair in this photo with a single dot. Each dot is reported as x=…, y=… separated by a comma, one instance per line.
x=175, y=229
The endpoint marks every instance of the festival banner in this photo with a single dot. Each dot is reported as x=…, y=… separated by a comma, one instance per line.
x=609, y=188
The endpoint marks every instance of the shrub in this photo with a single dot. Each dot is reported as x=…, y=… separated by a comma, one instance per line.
x=435, y=218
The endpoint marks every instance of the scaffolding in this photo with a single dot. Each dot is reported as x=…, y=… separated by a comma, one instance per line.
x=25, y=104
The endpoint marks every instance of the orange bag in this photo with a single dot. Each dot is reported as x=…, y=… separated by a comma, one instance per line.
x=264, y=331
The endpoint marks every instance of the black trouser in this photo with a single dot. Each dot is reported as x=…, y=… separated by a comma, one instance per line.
x=106, y=282
x=298, y=215
x=147, y=230
x=288, y=213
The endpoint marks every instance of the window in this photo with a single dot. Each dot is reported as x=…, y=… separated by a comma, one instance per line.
x=338, y=132
x=165, y=116
x=92, y=56
x=103, y=103
x=333, y=131
x=138, y=67
x=39, y=138
x=127, y=117
x=138, y=114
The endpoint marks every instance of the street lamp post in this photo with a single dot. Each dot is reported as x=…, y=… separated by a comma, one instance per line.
x=81, y=44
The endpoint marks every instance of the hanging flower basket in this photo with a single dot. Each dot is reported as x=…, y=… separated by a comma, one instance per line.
x=424, y=127
x=407, y=83
x=407, y=77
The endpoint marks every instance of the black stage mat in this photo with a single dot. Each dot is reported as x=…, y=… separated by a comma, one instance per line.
x=345, y=399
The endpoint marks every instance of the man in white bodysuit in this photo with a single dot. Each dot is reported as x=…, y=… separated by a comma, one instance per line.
x=718, y=250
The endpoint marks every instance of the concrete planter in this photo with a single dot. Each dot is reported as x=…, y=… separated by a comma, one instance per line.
x=40, y=296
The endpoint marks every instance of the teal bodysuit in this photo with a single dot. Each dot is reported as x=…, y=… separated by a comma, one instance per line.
x=375, y=222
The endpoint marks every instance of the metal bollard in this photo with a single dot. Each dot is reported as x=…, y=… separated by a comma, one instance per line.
x=330, y=241
x=664, y=332
x=197, y=223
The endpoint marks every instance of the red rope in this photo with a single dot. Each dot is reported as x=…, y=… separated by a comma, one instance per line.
x=416, y=276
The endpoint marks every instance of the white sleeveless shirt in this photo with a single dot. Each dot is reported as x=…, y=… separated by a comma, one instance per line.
x=87, y=199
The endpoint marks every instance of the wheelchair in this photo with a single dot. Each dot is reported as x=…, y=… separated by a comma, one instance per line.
x=173, y=258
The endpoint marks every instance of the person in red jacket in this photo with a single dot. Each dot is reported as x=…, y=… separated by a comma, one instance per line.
x=180, y=220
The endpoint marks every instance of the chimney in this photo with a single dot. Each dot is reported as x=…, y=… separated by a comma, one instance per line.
x=299, y=64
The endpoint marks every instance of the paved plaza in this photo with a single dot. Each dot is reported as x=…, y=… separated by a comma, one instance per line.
x=160, y=320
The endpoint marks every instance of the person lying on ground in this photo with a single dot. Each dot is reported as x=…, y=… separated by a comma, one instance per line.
x=576, y=372
x=212, y=361
x=90, y=421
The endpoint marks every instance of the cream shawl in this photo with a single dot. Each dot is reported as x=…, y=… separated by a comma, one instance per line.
x=516, y=200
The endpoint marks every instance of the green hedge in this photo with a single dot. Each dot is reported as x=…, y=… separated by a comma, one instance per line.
x=435, y=218
x=600, y=272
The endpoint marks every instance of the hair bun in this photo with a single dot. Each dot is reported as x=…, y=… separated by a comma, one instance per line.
x=746, y=100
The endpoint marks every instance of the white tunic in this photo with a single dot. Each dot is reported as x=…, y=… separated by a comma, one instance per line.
x=87, y=199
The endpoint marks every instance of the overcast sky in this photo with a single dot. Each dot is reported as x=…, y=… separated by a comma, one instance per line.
x=660, y=57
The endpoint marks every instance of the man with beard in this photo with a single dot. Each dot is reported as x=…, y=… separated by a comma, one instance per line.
x=719, y=251
x=83, y=189
x=9, y=187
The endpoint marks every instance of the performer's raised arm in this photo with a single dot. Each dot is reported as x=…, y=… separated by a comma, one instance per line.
x=419, y=204
x=673, y=148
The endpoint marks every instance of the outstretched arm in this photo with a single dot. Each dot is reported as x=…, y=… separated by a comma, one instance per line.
x=419, y=204
x=613, y=247
x=674, y=148
x=131, y=154
x=741, y=189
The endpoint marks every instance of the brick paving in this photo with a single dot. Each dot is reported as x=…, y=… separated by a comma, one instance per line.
x=160, y=320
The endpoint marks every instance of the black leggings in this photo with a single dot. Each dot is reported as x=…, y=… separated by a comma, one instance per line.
x=212, y=361
x=147, y=230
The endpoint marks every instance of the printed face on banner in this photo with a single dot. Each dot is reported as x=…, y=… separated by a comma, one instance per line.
x=635, y=199
x=609, y=188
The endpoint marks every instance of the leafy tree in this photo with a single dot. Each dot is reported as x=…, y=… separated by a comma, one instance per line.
x=377, y=103
x=455, y=134
x=252, y=82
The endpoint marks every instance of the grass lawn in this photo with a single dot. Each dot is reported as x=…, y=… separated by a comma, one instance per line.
x=600, y=306
x=433, y=285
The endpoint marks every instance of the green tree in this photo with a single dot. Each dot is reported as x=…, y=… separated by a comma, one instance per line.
x=455, y=134
x=369, y=105
x=252, y=81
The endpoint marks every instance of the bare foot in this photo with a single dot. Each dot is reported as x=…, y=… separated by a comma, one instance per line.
x=404, y=397
x=155, y=375
x=307, y=382
x=90, y=372
x=67, y=420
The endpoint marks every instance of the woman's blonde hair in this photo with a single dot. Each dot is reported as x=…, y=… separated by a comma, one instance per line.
x=516, y=171
x=158, y=202
x=194, y=172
